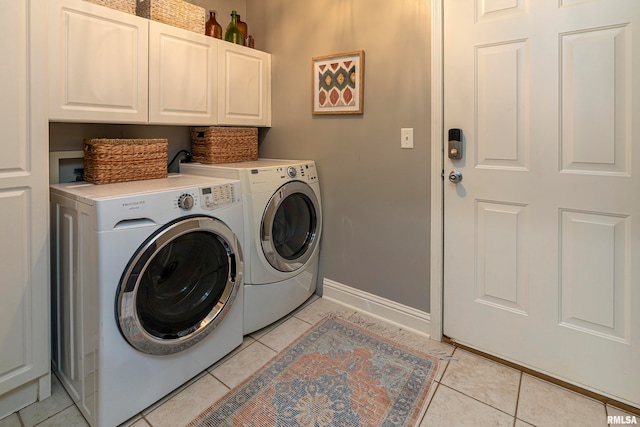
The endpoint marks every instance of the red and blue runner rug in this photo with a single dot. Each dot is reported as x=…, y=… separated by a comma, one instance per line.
x=336, y=374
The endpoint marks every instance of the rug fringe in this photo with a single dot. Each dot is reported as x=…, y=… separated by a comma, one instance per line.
x=401, y=336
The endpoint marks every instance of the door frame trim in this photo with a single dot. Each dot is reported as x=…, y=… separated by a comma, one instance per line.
x=437, y=171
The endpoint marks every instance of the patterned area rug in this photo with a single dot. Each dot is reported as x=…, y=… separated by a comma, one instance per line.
x=336, y=374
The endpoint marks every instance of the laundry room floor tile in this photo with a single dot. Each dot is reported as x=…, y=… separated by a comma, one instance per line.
x=140, y=423
x=262, y=332
x=11, y=421
x=544, y=404
x=70, y=417
x=242, y=365
x=168, y=397
x=484, y=380
x=186, y=405
x=452, y=408
x=279, y=338
x=613, y=411
x=40, y=411
x=468, y=389
x=246, y=342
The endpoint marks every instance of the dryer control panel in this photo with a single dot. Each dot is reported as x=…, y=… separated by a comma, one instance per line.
x=268, y=178
x=218, y=196
x=302, y=172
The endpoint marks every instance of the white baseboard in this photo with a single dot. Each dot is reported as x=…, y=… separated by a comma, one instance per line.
x=405, y=317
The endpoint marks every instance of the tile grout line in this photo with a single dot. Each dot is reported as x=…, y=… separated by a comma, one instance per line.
x=549, y=379
x=477, y=400
x=433, y=396
x=515, y=417
x=210, y=372
x=474, y=398
x=22, y=422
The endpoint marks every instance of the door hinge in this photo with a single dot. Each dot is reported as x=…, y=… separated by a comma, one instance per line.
x=442, y=174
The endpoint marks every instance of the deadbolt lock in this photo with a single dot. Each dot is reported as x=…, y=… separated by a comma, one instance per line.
x=455, y=144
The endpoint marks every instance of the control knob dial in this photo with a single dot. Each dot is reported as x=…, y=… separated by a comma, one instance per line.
x=291, y=171
x=185, y=202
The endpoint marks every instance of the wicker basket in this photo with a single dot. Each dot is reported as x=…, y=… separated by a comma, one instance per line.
x=224, y=144
x=177, y=13
x=128, y=6
x=119, y=160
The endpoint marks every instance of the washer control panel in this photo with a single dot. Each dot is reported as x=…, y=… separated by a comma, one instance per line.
x=218, y=196
x=186, y=201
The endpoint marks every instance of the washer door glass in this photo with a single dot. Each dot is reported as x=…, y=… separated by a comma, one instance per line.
x=290, y=226
x=179, y=285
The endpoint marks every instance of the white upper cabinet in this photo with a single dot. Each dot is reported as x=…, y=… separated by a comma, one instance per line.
x=108, y=66
x=98, y=64
x=182, y=76
x=244, y=86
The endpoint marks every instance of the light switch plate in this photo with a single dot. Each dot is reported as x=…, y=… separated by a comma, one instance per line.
x=406, y=138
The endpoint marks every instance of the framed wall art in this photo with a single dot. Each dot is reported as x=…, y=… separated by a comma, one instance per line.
x=338, y=83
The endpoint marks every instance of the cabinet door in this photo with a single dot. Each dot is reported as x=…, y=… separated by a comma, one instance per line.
x=244, y=86
x=182, y=76
x=24, y=191
x=99, y=64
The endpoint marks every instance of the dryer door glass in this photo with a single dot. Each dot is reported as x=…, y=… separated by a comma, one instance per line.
x=179, y=285
x=290, y=226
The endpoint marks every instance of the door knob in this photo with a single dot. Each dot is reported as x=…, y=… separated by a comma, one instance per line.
x=455, y=176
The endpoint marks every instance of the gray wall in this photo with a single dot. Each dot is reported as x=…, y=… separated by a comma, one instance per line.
x=375, y=195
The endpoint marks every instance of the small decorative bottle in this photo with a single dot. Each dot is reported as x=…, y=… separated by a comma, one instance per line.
x=211, y=27
x=242, y=26
x=233, y=34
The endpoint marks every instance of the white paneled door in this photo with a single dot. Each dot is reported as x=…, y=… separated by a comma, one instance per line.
x=542, y=233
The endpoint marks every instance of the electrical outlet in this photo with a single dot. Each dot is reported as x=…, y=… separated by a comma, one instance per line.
x=406, y=138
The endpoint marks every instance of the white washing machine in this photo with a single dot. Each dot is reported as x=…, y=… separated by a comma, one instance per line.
x=147, y=288
x=283, y=224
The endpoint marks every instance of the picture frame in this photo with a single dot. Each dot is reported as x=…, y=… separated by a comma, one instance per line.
x=338, y=83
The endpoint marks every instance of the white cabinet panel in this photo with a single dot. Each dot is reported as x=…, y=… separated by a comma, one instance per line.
x=244, y=86
x=182, y=76
x=14, y=322
x=24, y=252
x=99, y=64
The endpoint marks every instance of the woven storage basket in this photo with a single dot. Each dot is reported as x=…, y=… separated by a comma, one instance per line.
x=224, y=144
x=119, y=160
x=128, y=6
x=177, y=13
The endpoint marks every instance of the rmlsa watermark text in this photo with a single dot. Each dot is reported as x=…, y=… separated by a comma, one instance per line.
x=621, y=419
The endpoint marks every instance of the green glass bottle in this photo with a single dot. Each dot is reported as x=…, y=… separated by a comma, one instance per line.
x=233, y=34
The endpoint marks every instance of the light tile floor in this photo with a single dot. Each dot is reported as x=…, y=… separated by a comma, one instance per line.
x=469, y=390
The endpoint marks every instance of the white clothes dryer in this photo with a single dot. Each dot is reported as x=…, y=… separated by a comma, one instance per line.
x=283, y=225
x=147, y=288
